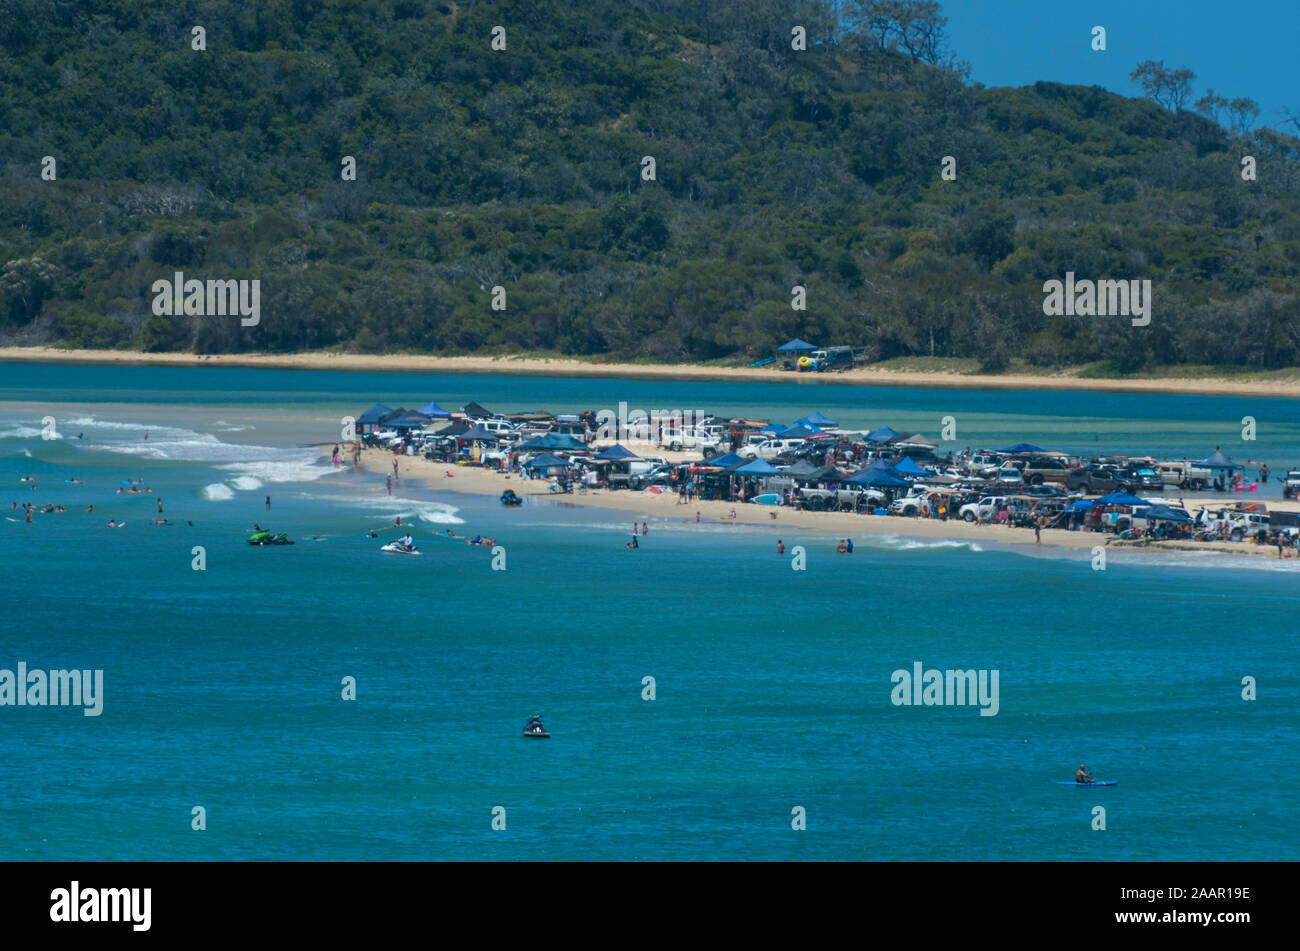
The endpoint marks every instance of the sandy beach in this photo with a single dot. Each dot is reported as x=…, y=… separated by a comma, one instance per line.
x=544, y=367
x=645, y=505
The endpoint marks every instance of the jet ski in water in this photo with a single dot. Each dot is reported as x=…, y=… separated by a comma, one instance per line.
x=266, y=538
x=401, y=549
x=534, y=729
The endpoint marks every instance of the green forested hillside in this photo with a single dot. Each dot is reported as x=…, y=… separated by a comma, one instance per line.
x=522, y=168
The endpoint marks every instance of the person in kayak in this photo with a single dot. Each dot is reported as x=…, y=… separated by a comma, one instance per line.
x=1083, y=775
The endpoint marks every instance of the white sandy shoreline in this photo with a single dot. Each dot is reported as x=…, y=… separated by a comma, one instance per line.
x=570, y=368
x=642, y=506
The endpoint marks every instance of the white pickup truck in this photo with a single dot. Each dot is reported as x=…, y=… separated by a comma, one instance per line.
x=974, y=511
x=692, y=437
x=769, y=448
x=1185, y=475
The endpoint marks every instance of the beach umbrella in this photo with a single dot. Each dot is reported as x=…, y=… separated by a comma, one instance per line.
x=615, y=453
x=1121, y=498
x=794, y=346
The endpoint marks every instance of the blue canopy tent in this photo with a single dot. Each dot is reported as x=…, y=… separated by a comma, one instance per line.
x=724, y=462
x=1163, y=513
x=369, y=420
x=434, y=411
x=553, y=442
x=408, y=421
x=883, y=435
x=759, y=467
x=773, y=428
x=547, y=461
x=1217, y=460
x=479, y=434
x=877, y=479
x=615, y=453
x=795, y=346
x=1079, y=505
x=1022, y=447
x=798, y=432
x=907, y=467
x=1121, y=498
x=815, y=421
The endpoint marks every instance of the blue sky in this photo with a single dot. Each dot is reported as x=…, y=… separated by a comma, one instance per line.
x=1237, y=47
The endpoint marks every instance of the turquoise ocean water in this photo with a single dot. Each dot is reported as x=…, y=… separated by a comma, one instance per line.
x=222, y=687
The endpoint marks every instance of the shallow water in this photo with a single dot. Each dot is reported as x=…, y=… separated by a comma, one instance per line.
x=773, y=686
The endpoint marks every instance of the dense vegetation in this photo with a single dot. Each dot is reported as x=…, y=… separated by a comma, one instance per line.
x=522, y=168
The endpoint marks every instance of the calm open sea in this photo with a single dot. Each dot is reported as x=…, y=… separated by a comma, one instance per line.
x=222, y=687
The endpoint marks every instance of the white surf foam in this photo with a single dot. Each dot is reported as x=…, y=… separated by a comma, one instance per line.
x=245, y=483
x=390, y=507
x=217, y=492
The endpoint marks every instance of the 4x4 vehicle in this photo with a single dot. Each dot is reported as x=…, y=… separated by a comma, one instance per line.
x=1291, y=485
x=987, y=505
x=1097, y=480
x=1042, y=469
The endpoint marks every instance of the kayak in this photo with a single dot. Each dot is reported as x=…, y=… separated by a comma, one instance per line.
x=395, y=548
x=1100, y=782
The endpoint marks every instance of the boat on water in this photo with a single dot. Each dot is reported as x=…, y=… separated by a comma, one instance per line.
x=1100, y=782
x=266, y=538
x=534, y=729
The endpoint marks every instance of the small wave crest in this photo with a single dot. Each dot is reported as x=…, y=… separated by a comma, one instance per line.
x=217, y=492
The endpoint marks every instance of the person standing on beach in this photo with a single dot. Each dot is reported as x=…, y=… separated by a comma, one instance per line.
x=1038, y=530
x=397, y=478
x=697, y=517
x=645, y=529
